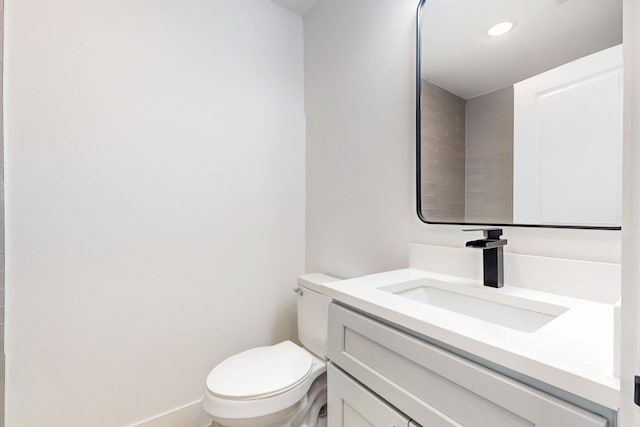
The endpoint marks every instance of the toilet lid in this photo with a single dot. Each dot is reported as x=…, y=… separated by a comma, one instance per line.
x=260, y=372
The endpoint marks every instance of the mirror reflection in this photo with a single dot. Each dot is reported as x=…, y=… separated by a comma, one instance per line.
x=520, y=111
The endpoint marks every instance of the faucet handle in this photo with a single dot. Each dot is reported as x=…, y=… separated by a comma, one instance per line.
x=489, y=233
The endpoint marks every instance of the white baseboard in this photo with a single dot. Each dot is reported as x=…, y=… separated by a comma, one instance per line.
x=189, y=415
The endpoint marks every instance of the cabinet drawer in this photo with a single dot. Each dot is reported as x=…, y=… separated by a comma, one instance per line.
x=437, y=388
x=352, y=405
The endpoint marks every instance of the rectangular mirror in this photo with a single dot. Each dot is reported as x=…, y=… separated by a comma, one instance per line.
x=519, y=112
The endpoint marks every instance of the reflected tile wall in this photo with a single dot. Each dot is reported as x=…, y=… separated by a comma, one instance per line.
x=443, y=154
x=467, y=156
x=489, y=157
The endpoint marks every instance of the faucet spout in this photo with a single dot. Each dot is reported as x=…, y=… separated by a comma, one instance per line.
x=492, y=255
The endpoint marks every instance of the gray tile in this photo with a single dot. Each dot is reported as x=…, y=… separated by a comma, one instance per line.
x=443, y=113
x=489, y=157
x=2, y=387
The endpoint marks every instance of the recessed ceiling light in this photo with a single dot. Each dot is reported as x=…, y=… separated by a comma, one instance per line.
x=500, y=29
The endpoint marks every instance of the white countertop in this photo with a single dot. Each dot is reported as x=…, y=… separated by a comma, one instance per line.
x=573, y=352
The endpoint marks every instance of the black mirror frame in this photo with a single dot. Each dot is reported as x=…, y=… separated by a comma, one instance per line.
x=421, y=3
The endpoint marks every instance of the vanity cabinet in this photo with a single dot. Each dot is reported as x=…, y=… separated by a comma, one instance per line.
x=433, y=386
x=352, y=405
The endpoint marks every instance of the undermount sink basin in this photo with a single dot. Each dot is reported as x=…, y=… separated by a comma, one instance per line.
x=484, y=304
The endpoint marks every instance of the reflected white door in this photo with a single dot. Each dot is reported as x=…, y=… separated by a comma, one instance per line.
x=568, y=125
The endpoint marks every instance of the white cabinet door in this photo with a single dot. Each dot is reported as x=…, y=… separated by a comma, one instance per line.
x=352, y=405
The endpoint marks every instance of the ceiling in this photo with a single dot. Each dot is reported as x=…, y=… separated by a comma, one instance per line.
x=460, y=56
x=299, y=7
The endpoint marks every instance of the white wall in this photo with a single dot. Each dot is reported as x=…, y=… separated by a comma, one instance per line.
x=359, y=101
x=154, y=199
x=630, y=337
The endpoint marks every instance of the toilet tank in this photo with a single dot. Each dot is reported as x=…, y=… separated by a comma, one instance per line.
x=313, y=308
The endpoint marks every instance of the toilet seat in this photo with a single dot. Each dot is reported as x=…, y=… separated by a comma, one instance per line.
x=267, y=392
x=260, y=372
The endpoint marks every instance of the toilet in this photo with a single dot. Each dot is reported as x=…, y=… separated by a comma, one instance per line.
x=279, y=385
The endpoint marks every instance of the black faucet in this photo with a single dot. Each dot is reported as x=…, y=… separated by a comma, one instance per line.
x=492, y=255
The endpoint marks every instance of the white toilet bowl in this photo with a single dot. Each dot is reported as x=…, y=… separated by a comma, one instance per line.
x=267, y=386
x=283, y=385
